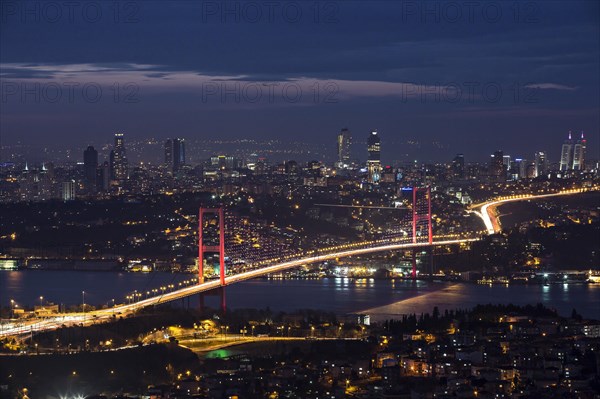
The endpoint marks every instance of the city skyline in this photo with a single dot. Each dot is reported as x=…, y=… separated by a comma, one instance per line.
x=346, y=150
x=299, y=199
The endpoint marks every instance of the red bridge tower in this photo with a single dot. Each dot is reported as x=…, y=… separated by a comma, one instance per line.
x=421, y=212
x=220, y=249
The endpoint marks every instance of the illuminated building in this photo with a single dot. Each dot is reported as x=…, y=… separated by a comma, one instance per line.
x=68, y=190
x=103, y=177
x=344, y=140
x=374, y=160
x=225, y=162
x=506, y=162
x=572, y=156
x=541, y=163
x=579, y=154
x=90, y=164
x=497, y=166
x=118, y=159
x=566, y=154
x=175, y=154
x=458, y=166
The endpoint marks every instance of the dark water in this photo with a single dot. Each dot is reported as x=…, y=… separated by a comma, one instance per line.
x=380, y=298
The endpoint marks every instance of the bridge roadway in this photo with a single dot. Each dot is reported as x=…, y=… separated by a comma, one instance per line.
x=487, y=210
x=88, y=318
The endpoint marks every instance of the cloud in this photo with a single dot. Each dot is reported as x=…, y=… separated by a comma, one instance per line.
x=550, y=86
x=164, y=78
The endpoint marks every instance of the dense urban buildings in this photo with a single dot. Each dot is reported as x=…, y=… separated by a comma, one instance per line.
x=109, y=172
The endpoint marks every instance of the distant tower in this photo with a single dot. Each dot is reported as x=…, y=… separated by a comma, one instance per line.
x=566, y=154
x=103, y=177
x=497, y=166
x=458, y=166
x=120, y=166
x=68, y=190
x=344, y=140
x=90, y=164
x=374, y=160
x=169, y=153
x=175, y=154
x=579, y=154
x=541, y=163
x=506, y=162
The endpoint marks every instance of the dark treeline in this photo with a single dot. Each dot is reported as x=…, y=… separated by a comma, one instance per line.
x=479, y=316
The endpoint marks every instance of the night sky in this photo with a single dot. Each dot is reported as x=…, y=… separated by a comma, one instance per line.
x=471, y=77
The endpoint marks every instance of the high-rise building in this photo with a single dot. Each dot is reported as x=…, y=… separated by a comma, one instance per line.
x=579, y=153
x=90, y=164
x=68, y=190
x=566, y=154
x=374, y=160
x=169, y=153
x=530, y=170
x=175, y=154
x=497, y=168
x=521, y=168
x=506, y=161
x=541, y=163
x=118, y=158
x=103, y=177
x=225, y=162
x=458, y=166
x=572, y=155
x=344, y=141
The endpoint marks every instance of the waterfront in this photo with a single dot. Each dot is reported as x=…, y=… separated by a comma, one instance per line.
x=379, y=298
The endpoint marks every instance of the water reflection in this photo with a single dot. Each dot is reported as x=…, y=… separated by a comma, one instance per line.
x=545, y=293
x=380, y=298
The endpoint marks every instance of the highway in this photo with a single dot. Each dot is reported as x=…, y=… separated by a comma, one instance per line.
x=88, y=318
x=487, y=210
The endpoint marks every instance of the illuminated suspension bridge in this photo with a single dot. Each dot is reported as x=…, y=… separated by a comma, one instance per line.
x=253, y=250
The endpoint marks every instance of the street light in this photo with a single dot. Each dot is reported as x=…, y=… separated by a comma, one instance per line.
x=83, y=304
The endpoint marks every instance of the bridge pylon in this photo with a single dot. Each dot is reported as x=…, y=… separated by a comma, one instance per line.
x=220, y=248
x=421, y=211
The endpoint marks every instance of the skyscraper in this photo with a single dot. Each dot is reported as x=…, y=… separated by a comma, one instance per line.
x=579, y=153
x=497, y=168
x=90, y=164
x=175, y=154
x=119, y=164
x=566, y=154
x=374, y=160
x=344, y=140
x=572, y=155
x=68, y=190
x=458, y=166
x=506, y=162
x=169, y=154
x=103, y=177
x=541, y=163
